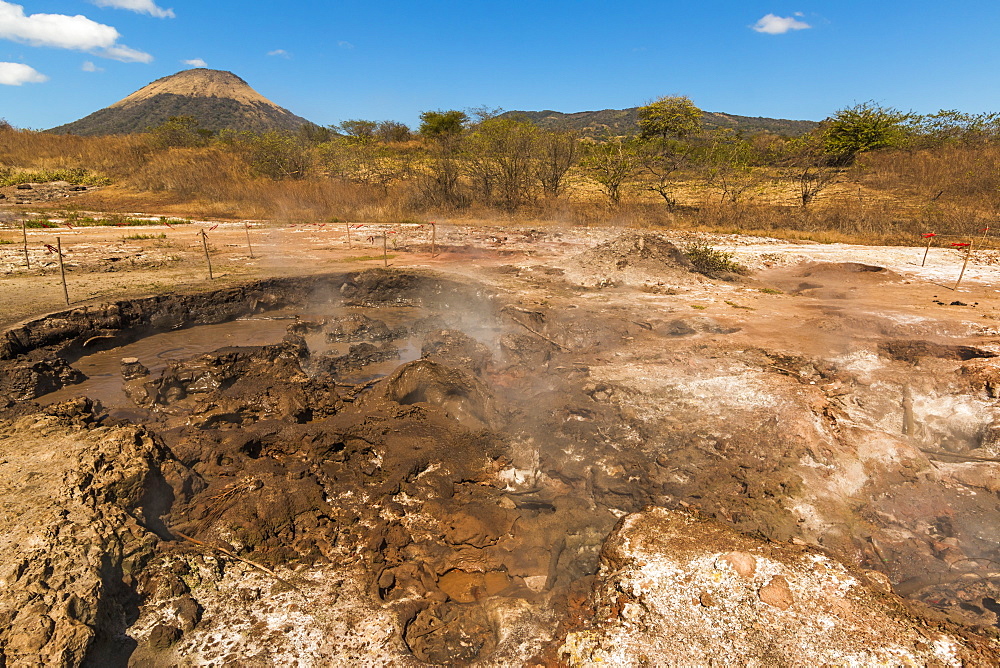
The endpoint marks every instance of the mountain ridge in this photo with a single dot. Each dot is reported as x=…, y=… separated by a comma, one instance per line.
x=218, y=99
x=626, y=121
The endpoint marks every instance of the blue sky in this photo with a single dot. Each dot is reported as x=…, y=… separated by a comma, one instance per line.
x=335, y=60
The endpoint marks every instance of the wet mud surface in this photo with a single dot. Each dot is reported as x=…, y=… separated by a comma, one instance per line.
x=406, y=468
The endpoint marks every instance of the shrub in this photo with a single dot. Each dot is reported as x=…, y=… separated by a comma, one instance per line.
x=74, y=175
x=712, y=261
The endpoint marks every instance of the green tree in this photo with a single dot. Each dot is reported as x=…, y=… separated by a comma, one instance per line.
x=393, y=132
x=670, y=129
x=500, y=156
x=359, y=129
x=311, y=133
x=178, y=132
x=669, y=117
x=864, y=127
x=273, y=154
x=440, y=184
x=442, y=123
x=612, y=163
x=951, y=126
x=370, y=162
x=810, y=166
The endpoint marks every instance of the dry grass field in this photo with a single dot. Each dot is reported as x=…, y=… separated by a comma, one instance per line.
x=884, y=197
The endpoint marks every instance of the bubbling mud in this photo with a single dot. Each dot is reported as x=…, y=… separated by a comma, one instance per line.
x=456, y=460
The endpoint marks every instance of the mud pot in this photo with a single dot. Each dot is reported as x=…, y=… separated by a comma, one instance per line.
x=612, y=459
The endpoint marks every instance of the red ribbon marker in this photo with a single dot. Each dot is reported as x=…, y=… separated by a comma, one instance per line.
x=928, y=236
x=959, y=244
x=50, y=248
x=213, y=227
x=68, y=225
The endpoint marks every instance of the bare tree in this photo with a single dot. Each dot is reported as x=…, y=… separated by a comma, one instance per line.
x=662, y=159
x=731, y=165
x=440, y=183
x=814, y=179
x=810, y=167
x=367, y=162
x=612, y=163
x=557, y=153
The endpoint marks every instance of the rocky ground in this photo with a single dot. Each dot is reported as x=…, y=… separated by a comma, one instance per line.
x=534, y=447
x=37, y=193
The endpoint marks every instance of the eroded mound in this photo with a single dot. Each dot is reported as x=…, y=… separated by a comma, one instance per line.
x=831, y=280
x=632, y=258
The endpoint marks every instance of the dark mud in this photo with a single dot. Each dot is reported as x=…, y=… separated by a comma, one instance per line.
x=487, y=470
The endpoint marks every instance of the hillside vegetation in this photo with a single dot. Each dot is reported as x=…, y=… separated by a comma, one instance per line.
x=867, y=173
x=596, y=124
x=217, y=99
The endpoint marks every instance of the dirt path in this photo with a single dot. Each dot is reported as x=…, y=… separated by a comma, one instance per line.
x=106, y=264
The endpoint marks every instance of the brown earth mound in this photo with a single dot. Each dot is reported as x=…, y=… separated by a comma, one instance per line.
x=632, y=258
x=829, y=280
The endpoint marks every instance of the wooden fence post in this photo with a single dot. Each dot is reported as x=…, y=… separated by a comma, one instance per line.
x=968, y=252
x=930, y=237
x=208, y=259
x=24, y=233
x=62, y=270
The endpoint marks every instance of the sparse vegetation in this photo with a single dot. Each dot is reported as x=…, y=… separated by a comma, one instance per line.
x=712, y=261
x=112, y=220
x=144, y=237
x=869, y=173
x=367, y=258
x=75, y=175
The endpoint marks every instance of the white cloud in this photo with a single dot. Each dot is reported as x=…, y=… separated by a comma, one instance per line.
x=62, y=31
x=90, y=67
x=279, y=52
x=15, y=74
x=195, y=62
x=345, y=45
x=140, y=6
x=56, y=30
x=777, y=25
x=126, y=54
